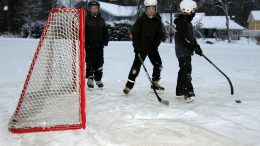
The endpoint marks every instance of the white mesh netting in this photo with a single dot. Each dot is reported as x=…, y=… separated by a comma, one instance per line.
x=51, y=95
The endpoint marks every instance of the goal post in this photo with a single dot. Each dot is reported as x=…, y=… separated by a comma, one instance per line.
x=53, y=95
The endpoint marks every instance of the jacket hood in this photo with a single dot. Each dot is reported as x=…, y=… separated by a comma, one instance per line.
x=178, y=17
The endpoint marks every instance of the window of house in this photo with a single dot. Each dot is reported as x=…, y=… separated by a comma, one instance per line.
x=234, y=32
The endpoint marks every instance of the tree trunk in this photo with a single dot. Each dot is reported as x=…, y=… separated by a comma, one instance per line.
x=29, y=26
x=226, y=8
x=228, y=32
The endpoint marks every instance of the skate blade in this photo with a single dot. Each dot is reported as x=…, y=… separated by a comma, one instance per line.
x=179, y=97
x=90, y=89
x=101, y=88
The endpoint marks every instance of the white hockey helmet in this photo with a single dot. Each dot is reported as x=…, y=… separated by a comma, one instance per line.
x=148, y=3
x=188, y=6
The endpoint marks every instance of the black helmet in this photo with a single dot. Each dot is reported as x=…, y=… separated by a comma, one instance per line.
x=93, y=3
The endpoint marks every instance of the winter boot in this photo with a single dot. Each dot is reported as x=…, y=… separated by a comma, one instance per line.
x=189, y=96
x=99, y=84
x=129, y=85
x=156, y=85
x=90, y=83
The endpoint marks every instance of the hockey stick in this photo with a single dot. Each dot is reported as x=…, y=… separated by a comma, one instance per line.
x=174, y=29
x=166, y=102
x=229, y=81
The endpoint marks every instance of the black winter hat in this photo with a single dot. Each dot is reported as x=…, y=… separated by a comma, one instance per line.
x=93, y=3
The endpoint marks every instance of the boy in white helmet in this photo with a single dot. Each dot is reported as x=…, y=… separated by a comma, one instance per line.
x=185, y=45
x=147, y=36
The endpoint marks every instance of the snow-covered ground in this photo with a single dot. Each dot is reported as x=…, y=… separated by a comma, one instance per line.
x=137, y=119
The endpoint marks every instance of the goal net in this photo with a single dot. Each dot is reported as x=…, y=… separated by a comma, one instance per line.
x=53, y=96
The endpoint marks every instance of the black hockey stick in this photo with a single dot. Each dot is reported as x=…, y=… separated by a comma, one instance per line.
x=229, y=81
x=166, y=102
x=174, y=29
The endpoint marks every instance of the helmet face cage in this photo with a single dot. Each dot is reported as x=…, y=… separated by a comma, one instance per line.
x=188, y=11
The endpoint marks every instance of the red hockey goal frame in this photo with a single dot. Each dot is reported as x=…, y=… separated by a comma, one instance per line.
x=82, y=102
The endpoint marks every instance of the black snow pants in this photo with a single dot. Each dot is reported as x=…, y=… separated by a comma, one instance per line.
x=156, y=61
x=184, y=84
x=94, y=61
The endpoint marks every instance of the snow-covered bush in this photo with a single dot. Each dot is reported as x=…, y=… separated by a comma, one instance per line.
x=119, y=30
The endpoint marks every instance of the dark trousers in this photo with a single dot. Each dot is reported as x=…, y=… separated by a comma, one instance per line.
x=156, y=61
x=94, y=61
x=184, y=84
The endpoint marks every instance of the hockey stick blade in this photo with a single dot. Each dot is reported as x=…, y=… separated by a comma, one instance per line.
x=166, y=102
x=158, y=97
x=163, y=101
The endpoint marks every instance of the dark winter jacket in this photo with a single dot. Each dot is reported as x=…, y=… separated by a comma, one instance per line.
x=185, y=41
x=147, y=34
x=96, y=33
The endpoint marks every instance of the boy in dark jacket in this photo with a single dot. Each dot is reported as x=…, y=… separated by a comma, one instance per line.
x=146, y=35
x=185, y=45
x=96, y=38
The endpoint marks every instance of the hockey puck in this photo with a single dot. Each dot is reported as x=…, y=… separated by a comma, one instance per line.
x=238, y=101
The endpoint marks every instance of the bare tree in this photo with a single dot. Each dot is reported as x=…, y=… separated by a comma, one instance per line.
x=139, y=7
x=198, y=24
x=165, y=5
x=225, y=7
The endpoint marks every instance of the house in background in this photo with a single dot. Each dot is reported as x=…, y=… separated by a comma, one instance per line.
x=254, y=20
x=253, y=26
x=215, y=26
x=211, y=26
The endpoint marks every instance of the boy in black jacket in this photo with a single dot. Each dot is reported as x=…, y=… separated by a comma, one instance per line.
x=96, y=38
x=147, y=36
x=185, y=45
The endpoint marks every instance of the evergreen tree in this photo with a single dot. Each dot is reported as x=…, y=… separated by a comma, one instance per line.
x=47, y=5
x=29, y=11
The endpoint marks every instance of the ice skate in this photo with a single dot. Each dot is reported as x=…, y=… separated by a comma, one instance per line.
x=99, y=84
x=90, y=83
x=129, y=85
x=156, y=86
x=189, y=97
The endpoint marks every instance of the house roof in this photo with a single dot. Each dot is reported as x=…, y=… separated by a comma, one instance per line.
x=217, y=22
x=117, y=10
x=255, y=15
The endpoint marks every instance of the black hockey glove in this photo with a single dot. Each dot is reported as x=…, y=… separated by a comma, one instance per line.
x=198, y=50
